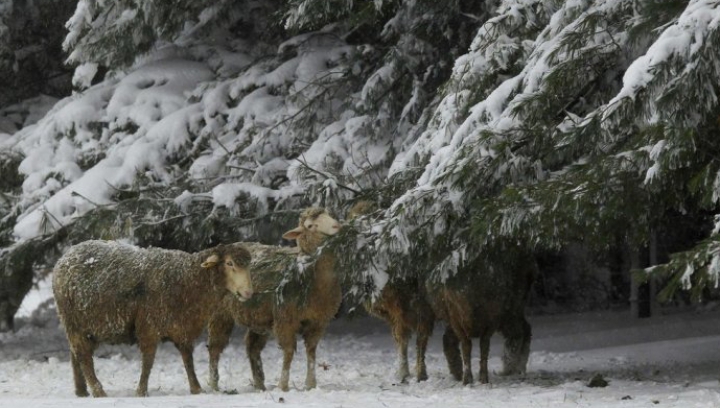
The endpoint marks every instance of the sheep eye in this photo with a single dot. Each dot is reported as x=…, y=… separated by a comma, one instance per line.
x=229, y=263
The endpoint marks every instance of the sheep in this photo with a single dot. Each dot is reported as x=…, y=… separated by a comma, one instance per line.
x=283, y=314
x=403, y=305
x=481, y=299
x=110, y=292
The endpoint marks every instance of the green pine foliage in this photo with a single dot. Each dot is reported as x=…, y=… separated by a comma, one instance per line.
x=562, y=148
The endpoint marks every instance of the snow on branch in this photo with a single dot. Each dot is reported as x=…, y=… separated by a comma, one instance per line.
x=675, y=60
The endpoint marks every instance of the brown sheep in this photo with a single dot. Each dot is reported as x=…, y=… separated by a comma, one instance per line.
x=480, y=300
x=109, y=292
x=403, y=305
x=302, y=310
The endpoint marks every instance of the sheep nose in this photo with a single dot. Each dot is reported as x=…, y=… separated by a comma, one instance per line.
x=243, y=295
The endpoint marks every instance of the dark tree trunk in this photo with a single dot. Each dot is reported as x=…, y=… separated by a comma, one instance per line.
x=15, y=283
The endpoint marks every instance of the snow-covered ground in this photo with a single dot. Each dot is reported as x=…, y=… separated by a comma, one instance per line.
x=668, y=361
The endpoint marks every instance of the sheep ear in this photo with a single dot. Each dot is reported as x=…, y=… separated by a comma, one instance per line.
x=293, y=233
x=211, y=261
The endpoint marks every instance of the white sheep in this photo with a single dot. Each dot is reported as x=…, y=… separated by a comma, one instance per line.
x=303, y=310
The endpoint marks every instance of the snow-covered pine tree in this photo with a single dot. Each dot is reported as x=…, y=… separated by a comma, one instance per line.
x=31, y=60
x=218, y=121
x=606, y=130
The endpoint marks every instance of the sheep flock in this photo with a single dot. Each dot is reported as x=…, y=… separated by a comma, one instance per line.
x=109, y=292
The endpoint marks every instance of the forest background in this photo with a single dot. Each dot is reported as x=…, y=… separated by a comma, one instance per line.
x=586, y=131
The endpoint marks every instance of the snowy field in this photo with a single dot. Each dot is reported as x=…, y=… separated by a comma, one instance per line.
x=668, y=361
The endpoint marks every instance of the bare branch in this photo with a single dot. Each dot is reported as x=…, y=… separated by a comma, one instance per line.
x=327, y=177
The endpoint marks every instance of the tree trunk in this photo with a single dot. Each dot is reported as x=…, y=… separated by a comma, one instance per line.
x=15, y=283
x=643, y=302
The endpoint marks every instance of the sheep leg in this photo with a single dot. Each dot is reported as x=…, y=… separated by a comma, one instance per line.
x=84, y=358
x=148, y=349
x=312, y=338
x=484, y=353
x=80, y=384
x=424, y=332
x=402, y=337
x=287, y=342
x=517, y=347
x=466, y=347
x=186, y=351
x=219, y=331
x=88, y=368
x=254, y=345
x=451, y=349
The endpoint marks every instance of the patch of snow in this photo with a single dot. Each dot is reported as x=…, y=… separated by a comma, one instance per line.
x=670, y=361
x=84, y=75
x=39, y=295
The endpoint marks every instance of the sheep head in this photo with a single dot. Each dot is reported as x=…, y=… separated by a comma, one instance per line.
x=314, y=226
x=360, y=208
x=234, y=261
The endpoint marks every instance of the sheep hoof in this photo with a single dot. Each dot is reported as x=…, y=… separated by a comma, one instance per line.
x=195, y=390
x=213, y=383
x=509, y=372
x=82, y=393
x=422, y=377
x=99, y=394
x=141, y=393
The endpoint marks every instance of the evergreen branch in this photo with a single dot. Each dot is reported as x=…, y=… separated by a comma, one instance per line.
x=248, y=221
x=242, y=168
x=166, y=220
x=307, y=166
x=76, y=194
x=214, y=136
x=296, y=114
x=47, y=213
x=390, y=89
x=146, y=189
x=612, y=39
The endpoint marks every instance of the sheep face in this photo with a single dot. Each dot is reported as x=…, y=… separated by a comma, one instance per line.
x=314, y=220
x=323, y=223
x=237, y=274
x=238, y=279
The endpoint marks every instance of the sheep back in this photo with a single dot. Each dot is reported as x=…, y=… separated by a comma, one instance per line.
x=402, y=302
x=282, y=288
x=488, y=290
x=103, y=289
